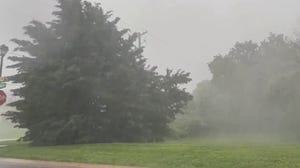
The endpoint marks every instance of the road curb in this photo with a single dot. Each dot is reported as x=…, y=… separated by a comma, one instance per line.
x=22, y=163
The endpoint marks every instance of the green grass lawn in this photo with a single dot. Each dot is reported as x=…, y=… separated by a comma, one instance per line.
x=165, y=155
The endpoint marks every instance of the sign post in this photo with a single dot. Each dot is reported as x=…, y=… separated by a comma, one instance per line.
x=3, y=51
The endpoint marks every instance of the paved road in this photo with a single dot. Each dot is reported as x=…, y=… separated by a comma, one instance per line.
x=17, y=163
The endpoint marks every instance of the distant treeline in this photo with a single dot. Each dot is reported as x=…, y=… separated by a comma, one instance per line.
x=255, y=89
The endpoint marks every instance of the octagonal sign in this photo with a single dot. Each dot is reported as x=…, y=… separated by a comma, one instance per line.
x=3, y=97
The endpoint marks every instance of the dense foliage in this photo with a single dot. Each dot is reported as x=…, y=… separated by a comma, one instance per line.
x=85, y=81
x=254, y=89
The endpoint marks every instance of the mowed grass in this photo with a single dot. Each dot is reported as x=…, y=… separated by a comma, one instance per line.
x=184, y=154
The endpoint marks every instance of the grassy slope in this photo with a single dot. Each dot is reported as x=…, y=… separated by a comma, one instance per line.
x=165, y=155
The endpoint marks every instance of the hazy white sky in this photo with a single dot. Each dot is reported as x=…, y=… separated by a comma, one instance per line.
x=182, y=34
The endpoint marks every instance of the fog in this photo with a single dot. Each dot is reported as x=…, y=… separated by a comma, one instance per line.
x=181, y=34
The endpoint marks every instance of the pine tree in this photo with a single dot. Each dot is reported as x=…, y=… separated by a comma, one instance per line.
x=85, y=81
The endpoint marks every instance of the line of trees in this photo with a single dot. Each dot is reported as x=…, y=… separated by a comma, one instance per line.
x=254, y=89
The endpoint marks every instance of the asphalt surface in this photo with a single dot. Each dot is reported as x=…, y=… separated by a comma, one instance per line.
x=18, y=163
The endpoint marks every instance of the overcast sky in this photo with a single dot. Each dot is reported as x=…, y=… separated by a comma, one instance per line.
x=182, y=34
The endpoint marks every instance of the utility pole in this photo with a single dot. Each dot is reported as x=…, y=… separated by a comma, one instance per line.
x=3, y=52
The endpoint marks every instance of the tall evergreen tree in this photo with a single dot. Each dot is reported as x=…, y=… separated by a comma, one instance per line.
x=84, y=81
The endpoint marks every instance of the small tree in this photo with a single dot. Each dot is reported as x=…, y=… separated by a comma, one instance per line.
x=84, y=81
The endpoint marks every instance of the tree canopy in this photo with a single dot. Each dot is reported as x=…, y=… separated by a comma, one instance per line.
x=254, y=89
x=85, y=81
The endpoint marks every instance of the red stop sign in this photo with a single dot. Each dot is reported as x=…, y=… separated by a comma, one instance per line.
x=2, y=97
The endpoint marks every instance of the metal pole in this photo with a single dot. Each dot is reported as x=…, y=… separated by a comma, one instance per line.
x=1, y=65
x=3, y=51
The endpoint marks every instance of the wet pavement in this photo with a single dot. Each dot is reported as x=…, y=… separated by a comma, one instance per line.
x=18, y=163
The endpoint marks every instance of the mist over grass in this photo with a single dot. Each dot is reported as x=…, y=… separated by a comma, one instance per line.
x=7, y=131
x=239, y=140
x=253, y=96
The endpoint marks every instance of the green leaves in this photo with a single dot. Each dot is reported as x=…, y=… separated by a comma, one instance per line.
x=255, y=89
x=85, y=81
